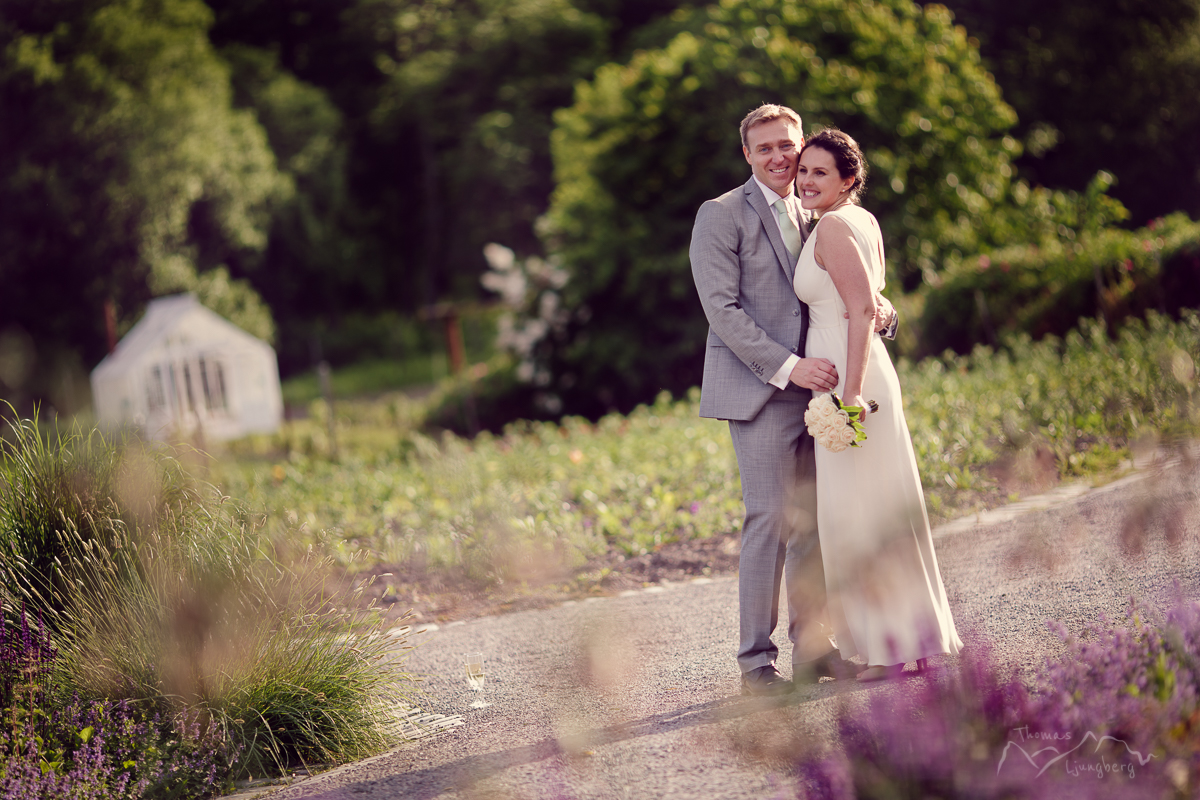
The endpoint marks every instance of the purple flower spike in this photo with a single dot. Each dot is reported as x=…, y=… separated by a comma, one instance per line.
x=26, y=643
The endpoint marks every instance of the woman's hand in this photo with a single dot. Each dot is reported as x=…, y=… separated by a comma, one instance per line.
x=858, y=400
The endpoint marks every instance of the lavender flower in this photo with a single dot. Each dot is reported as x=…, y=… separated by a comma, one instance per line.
x=1121, y=712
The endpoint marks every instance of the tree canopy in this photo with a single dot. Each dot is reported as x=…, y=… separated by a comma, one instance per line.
x=1104, y=85
x=123, y=167
x=328, y=169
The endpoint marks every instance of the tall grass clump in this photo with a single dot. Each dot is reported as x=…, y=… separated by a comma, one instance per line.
x=159, y=592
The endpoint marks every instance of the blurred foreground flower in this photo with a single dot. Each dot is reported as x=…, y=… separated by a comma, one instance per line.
x=1117, y=716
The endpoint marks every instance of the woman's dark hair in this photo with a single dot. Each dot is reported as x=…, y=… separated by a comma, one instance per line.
x=847, y=157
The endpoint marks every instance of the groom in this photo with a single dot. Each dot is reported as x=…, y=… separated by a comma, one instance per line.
x=744, y=249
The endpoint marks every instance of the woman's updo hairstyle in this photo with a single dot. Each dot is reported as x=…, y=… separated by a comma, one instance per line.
x=847, y=157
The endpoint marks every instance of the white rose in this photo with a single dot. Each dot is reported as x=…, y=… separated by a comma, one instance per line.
x=848, y=435
x=835, y=447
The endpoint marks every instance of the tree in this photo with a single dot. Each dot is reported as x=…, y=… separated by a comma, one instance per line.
x=462, y=130
x=443, y=143
x=122, y=164
x=645, y=144
x=321, y=260
x=1106, y=85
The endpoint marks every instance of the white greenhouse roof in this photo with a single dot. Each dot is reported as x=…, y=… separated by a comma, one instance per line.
x=163, y=317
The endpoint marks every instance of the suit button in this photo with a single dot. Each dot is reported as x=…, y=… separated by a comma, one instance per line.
x=796, y=312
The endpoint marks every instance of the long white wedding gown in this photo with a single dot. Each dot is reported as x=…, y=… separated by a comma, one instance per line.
x=886, y=599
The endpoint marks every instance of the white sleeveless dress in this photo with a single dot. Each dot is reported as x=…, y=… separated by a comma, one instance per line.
x=886, y=599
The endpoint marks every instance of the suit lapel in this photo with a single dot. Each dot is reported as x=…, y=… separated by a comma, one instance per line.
x=766, y=214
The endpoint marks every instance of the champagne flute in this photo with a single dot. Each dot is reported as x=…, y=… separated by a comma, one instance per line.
x=475, y=678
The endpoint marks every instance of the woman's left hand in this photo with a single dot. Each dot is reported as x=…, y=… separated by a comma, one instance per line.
x=858, y=400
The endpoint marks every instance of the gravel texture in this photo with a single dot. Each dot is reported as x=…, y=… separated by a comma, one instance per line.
x=637, y=696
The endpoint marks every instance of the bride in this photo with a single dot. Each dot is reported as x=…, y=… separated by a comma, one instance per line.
x=886, y=599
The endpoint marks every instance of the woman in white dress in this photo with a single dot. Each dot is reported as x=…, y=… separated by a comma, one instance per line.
x=885, y=594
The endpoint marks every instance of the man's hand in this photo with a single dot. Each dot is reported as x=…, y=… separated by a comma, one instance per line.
x=883, y=313
x=818, y=374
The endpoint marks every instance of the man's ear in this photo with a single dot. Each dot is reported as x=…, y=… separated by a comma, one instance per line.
x=746, y=153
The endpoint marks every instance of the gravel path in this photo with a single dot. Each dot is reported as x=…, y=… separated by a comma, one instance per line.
x=636, y=696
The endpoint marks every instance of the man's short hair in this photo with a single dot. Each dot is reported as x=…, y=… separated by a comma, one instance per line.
x=768, y=112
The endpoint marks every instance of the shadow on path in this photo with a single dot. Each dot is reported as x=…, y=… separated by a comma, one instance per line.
x=460, y=775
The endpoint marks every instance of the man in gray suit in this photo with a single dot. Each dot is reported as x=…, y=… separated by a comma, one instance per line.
x=744, y=249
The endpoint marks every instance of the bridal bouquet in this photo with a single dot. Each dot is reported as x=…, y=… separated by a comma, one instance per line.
x=833, y=425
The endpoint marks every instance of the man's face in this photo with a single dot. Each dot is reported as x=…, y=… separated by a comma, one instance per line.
x=771, y=151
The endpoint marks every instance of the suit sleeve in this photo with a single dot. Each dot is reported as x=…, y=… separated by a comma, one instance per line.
x=890, y=331
x=717, y=271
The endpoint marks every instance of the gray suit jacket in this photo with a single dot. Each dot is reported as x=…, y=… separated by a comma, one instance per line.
x=744, y=278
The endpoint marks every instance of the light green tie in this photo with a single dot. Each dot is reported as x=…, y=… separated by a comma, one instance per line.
x=791, y=234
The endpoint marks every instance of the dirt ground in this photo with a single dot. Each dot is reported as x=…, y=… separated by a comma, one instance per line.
x=446, y=596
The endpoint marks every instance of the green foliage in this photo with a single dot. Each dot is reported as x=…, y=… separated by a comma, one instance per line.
x=161, y=591
x=502, y=507
x=122, y=164
x=542, y=493
x=1106, y=85
x=318, y=262
x=645, y=144
x=1081, y=398
x=59, y=499
x=367, y=377
x=466, y=112
x=1071, y=268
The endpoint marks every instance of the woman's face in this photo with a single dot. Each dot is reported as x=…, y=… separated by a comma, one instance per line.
x=817, y=180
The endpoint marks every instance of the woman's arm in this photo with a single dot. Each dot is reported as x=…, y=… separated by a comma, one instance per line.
x=837, y=251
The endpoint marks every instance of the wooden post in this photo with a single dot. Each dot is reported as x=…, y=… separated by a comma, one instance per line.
x=110, y=323
x=454, y=341
x=457, y=353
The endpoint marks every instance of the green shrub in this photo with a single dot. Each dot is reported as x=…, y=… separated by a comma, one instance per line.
x=159, y=590
x=1043, y=288
x=487, y=399
x=1082, y=398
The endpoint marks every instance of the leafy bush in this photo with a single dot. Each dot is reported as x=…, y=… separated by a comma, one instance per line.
x=963, y=734
x=1076, y=270
x=158, y=590
x=488, y=398
x=1077, y=398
